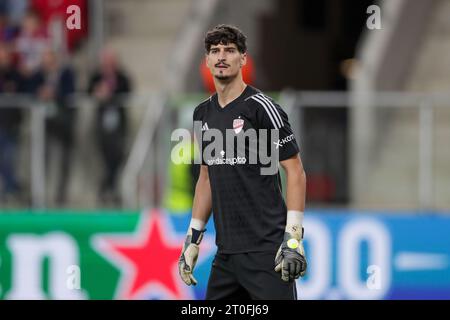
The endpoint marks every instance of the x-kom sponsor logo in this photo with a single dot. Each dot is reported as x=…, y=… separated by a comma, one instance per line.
x=282, y=142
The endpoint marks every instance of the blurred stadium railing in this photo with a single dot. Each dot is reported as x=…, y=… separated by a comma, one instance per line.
x=405, y=158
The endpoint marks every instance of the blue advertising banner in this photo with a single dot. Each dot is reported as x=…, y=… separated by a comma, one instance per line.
x=366, y=255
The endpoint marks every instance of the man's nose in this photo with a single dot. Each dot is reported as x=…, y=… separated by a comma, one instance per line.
x=222, y=56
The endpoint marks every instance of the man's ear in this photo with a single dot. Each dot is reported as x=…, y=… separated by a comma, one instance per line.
x=243, y=59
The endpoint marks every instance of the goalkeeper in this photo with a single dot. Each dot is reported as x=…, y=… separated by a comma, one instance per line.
x=258, y=235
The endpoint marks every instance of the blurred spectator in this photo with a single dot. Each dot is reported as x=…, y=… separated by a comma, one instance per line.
x=10, y=119
x=31, y=43
x=108, y=86
x=7, y=32
x=16, y=10
x=54, y=83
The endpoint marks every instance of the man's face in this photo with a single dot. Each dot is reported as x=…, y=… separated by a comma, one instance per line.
x=225, y=61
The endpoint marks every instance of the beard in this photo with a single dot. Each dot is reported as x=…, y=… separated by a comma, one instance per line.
x=225, y=78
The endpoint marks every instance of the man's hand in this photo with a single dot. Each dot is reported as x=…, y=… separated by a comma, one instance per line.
x=290, y=258
x=189, y=256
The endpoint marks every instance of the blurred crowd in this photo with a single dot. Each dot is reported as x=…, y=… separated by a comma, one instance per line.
x=32, y=64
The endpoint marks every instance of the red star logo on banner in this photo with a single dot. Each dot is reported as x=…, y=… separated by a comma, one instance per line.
x=149, y=259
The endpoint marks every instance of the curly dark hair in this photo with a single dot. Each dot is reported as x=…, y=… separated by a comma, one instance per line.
x=225, y=34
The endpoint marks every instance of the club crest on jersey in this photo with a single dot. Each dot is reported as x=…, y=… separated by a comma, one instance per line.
x=238, y=124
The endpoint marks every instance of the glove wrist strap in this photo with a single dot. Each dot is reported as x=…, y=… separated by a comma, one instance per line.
x=197, y=236
x=294, y=224
x=196, y=230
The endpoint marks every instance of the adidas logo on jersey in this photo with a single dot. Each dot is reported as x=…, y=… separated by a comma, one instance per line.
x=205, y=127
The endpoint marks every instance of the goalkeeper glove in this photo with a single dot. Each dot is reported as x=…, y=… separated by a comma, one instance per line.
x=290, y=258
x=189, y=255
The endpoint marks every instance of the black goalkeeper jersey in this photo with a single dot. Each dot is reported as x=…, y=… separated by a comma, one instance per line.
x=248, y=207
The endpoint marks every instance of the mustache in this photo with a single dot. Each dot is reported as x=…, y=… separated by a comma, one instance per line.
x=221, y=64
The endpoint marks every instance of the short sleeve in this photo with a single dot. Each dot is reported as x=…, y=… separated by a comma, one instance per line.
x=271, y=116
x=198, y=131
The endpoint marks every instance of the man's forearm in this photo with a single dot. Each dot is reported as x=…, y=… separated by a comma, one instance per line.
x=295, y=199
x=201, y=209
x=296, y=190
